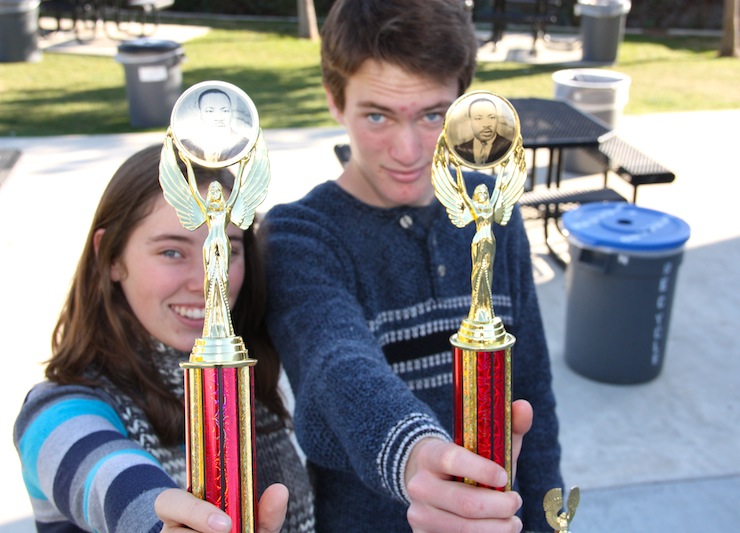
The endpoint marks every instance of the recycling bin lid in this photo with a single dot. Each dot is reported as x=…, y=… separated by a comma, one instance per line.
x=625, y=227
x=147, y=46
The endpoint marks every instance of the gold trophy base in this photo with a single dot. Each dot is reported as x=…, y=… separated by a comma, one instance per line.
x=220, y=351
x=487, y=336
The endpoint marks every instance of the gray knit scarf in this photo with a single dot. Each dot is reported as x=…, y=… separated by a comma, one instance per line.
x=277, y=459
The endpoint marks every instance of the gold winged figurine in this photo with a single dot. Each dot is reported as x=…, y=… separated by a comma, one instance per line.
x=483, y=208
x=216, y=211
x=553, y=504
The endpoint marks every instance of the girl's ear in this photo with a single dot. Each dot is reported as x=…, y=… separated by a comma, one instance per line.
x=115, y=270
x=97, y=236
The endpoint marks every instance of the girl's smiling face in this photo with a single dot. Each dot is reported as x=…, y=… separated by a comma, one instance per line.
x=161, y=274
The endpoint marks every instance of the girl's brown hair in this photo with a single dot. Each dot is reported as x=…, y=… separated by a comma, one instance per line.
x=98, y=333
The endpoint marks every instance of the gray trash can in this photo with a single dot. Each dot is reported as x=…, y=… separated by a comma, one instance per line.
x=601, y=93
x=19, y=26
x=619, y=285
x=153, y=79
x=602, y=28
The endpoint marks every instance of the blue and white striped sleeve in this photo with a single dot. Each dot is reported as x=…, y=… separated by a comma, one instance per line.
x=79, y=466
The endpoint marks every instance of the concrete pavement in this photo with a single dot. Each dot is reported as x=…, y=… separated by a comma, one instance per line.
x=661, y=456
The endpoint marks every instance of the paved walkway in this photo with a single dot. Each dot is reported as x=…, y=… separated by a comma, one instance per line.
x=661, y=456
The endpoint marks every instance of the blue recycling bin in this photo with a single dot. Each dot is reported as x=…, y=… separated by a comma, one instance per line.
x=619, y=285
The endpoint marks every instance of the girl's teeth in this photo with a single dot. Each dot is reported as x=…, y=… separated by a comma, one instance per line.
x=196, y=313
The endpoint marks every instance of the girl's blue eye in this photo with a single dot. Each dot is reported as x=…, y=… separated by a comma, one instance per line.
x=174, y=254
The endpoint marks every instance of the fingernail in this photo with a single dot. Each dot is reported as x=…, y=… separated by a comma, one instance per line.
x=219, y=522
x=502, y=479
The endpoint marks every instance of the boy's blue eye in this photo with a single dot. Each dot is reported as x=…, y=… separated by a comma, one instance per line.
x=433, y=117
x=375, y=118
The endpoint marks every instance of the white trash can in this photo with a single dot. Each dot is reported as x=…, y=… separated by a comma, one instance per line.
x=601, y=93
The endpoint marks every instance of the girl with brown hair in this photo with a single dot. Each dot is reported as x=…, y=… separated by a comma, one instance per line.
x=101, y=441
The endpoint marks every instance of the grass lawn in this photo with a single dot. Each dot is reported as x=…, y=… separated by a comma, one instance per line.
x=70, y=94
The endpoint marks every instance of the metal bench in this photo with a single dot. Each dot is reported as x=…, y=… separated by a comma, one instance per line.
x=550, y=203
x=343, y=153
x=536, y=14
x=631, y=164
x=143, y=12
x=617, y=156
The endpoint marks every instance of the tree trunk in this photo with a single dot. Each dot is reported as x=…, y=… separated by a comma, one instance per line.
x=307, y=26
x=729, y=46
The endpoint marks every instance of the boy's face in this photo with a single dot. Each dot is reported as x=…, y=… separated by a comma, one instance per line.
x=393, y=119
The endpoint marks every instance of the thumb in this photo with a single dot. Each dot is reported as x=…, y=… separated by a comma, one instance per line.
x=272, y=508
x=521, y=422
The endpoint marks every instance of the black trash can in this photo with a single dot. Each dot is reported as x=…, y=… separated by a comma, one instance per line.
x=619, y=286
x=19, y=26
x=153, y=79
x=602, y=28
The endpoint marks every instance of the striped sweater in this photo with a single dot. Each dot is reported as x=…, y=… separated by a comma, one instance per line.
x=85, y=472
x=81, y=470
x=375, y=295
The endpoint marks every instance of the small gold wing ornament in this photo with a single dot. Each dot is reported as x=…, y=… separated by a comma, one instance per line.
x=183, y=195
x=558, y=519
x=482, y=132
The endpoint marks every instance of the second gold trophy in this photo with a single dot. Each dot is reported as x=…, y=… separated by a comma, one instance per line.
x=482, y=132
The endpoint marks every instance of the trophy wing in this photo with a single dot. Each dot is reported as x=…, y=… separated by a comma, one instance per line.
x=253, y=187
x=573, y=498
x=447, y=191
x=509, y=185
x=553, y=504
x=176, y=189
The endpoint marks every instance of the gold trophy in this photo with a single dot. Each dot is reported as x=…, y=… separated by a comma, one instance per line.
x=481, y=131
x=553, y=504
x=215, y=125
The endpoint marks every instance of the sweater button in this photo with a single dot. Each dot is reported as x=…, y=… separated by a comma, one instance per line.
x=406, y=221
x=441, y=270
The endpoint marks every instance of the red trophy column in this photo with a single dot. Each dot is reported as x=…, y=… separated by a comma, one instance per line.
x=482, y=401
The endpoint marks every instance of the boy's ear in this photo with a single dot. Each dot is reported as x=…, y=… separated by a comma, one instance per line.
x=333, y=109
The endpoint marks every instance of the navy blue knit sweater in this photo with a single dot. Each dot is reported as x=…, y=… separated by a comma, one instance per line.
x=362, y=302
